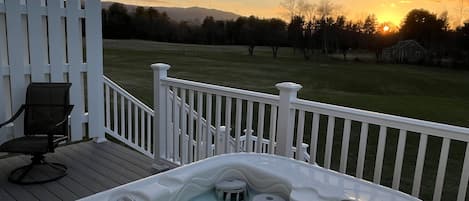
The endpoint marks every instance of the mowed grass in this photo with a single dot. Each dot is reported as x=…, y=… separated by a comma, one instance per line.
x=434, y=94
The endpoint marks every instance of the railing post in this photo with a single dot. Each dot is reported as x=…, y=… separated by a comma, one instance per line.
x=288, y=94
x=160, y=121
x=220, y=144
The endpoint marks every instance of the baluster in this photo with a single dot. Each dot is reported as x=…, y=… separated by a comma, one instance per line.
x=239, y=107
x=380, y=155
x=108, y=109
x=199, y=134
x=248, y=146
x=260, y=127
x=314, y=138
x=122, y=116
x=419, y=165
x=129, y=120
x=175, y=125
x=273, y=129
x=183, y=134
x=464, y=176
x=345, y=145
x=136, y=133
x=329, y=141
x=440, y=176
x=191, y=126
x=142, y=128
x=399, y=159
x=362, y=149
x=169, y=124
x=149, y=132
x=208, y=134
x=218, y=147
x=299, y=135
x=228, y=124
x=116, y=112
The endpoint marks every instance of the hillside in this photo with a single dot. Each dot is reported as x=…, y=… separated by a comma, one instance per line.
x=191, y=14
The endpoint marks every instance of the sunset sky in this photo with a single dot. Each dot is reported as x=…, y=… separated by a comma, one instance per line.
x=385, y=10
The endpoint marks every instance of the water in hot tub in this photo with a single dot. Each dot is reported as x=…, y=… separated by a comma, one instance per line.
x=211, y=196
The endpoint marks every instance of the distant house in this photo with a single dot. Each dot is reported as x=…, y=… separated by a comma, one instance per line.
x=407, y=51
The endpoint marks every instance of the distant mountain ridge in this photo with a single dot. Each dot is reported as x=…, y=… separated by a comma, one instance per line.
x=191, y=14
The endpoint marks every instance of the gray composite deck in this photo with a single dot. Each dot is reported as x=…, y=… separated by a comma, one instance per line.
x=92, y=168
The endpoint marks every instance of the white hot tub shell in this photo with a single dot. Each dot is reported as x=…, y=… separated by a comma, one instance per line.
x=294, y=180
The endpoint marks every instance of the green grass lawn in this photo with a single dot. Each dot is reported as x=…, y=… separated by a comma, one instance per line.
x=434, y=94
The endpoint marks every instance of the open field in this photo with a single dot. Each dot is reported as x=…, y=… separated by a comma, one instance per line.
x=433, y=94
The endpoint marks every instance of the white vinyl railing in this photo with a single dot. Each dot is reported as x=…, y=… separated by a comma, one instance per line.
x=128, y=119
x=207, y=101
x=405, y=126
x=284, y=121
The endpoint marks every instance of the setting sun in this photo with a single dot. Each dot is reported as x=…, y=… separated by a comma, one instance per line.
x=386, y=28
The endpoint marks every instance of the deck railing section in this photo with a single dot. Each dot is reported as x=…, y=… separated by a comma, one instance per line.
x=127, y=119
x=131, y=122
x=216, y=106
x=275, y=124
x=405, y=127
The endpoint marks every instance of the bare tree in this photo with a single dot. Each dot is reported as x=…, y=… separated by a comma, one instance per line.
x=325, y=8
x=290, y=7
x=308, y=10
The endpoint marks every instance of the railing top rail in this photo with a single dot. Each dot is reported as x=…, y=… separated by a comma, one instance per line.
x=409, y=124
x=223, y=91
x=126, y=94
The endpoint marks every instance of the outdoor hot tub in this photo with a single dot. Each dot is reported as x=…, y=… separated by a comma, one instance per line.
x=278, y=177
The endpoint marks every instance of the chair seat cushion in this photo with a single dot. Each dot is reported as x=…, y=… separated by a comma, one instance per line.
x=26, y=145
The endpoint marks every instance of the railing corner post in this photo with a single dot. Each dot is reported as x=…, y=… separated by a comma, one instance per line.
x=160, y=122
x=288, y=93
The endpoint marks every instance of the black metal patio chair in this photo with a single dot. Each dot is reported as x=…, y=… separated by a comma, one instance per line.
x=45, y=126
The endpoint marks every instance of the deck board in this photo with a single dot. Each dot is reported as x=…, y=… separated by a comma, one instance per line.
x=118, y=164
x=133, y=169
x=17, y=192
x=96, y=165
x=81, y=170
x=107, y=165
x=5, y=196
x=92, y=168
x=50, y=191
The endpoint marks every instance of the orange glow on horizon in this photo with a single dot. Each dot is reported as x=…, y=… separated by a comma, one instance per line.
x=393, y=11
x=388, y=17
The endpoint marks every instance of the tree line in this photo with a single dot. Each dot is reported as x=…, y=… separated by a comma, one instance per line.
x=311, y=30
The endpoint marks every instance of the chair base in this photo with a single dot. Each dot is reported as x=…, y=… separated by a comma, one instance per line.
x=20, y=175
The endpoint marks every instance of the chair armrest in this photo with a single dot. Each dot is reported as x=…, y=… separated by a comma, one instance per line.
x=67, y=114
x=14, y=117
x=65, y=118
x=51, y=136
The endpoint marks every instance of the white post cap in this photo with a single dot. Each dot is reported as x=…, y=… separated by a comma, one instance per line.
x=288, y=86
x=160, y=67
x=222, y=128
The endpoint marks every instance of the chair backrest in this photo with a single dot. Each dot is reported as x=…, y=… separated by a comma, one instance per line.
x=46, y=105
